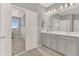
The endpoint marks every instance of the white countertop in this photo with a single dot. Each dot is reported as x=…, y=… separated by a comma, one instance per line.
x=74, y=34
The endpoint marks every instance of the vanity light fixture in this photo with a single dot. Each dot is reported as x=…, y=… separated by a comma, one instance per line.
x=66, y=5
x=71, y=4
x=61, y=7
x=48, y=12
x=54, y=10
x=51, y=11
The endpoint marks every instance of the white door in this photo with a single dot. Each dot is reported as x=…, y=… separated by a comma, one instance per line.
x=31, y=30
x=5, y=34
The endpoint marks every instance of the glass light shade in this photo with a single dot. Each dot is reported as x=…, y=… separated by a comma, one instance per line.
x=61, y=7
x=66, y=5
x=54, y=10
x=51, y=11
x=71, y=4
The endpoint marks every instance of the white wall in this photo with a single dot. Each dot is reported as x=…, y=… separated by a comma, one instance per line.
x=23, y=27
x=0, y=28
x=5, y=41
x=31, y=30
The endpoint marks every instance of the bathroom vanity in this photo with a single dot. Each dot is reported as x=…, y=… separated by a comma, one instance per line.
x=65, y=43
x=61, y=33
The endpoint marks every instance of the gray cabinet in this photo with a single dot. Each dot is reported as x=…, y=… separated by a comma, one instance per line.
x=61, y=44
x=66, y=45
x=77, y=46
x=52, y=42
x=46, y=39
x=43, y=38
x=71, y=46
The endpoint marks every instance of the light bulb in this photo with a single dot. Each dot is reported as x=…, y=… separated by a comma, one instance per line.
x=54, y=10
x=61, y=7
x=71, y=4
x=51, y=11
x=48, y=12
x=66, y=5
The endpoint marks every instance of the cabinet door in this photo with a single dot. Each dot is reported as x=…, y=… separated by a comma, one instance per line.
x=77, y=46
x=43, y=39
x=53, y=42
x=71, y=47
x=46, y=39
x=61, y=45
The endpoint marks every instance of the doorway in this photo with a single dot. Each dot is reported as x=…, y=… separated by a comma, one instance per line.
x=18, y=40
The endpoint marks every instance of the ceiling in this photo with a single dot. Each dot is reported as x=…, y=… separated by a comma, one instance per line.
x=46, y=5
x=41, y=7
x=32, y=6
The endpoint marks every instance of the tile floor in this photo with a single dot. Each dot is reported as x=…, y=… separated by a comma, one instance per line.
x=18, y=45
x=41, y=51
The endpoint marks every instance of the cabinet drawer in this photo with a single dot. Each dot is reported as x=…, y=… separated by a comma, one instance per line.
x=66, y=37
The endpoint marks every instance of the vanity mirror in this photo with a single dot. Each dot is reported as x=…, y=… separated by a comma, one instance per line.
x=67, y=20
x=60, y=23
x=75, y=23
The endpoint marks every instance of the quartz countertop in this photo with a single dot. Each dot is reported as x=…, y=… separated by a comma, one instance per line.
x=74, y=34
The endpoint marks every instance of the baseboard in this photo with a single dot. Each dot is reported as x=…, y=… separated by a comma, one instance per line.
x=20, y=53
